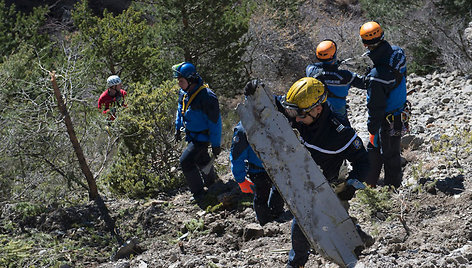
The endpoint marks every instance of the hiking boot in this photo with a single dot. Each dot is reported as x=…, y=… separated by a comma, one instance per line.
x=197, y=198
x=284, y=217
x=210, y=178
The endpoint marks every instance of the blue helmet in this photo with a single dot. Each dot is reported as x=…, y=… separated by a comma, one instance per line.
x=186, y=70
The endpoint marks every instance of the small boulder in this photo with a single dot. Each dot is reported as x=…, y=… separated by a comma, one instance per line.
x=252, y=231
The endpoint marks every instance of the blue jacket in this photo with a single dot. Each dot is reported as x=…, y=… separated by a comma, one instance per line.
x=386, y=84
x=330, y=143
x=202, y=119
x=337, y=82
x=243, y=159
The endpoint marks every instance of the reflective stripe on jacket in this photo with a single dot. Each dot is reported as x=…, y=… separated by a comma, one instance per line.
x=330, y=143
x=338, y=83
x=386, y=91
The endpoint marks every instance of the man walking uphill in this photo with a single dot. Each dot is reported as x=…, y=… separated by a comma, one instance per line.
x=386, y=99
x=198, y=114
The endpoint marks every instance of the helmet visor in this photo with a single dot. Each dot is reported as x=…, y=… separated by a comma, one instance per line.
x=176, y=69
x=292, y=110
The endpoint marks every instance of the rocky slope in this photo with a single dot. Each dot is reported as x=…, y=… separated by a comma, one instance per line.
x=427, y=223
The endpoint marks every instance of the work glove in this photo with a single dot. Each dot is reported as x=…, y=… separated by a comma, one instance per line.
x=374, y=139
x=251, y=86
x=347, y=193
x=215, y=151
x=246, y=186
x=177, y=135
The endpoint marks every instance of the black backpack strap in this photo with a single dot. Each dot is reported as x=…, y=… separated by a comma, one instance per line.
x=332, y=95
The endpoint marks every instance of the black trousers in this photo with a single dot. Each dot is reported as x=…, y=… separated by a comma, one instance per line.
x=386, y=155
x=195, y=156
x=268, y=203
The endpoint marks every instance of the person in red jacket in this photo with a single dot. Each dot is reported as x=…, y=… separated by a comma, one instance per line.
x=112, y=97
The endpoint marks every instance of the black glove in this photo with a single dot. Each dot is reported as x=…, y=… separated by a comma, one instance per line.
x=216, y=151
x=347, y=193
x=177, y=135
x=251, y=86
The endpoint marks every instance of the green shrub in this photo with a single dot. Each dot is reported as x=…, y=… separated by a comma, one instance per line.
x=13, y=252
x=125, y=44
x=425, y=56
x=456, y=8
x=375, y=200
x=148, y=155
x=210, y=34
x=195, y=225
x=18, y=29
x=26, y=209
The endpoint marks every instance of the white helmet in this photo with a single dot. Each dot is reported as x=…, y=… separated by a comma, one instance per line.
x=113, y=80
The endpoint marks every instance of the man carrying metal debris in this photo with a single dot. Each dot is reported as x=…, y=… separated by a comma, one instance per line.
x=329, y=143
x=268, y=204
x=386, y=104
x=198, y=114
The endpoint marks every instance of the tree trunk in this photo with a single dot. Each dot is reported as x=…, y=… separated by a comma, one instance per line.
x=93, y=192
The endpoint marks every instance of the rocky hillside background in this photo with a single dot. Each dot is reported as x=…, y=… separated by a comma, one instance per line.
x=426, y=223
x=46, y=218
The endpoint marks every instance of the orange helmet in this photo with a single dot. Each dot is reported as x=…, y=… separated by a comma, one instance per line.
x=326, y=50
x=371, y=33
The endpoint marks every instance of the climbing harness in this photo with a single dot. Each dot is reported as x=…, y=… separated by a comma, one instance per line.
x=399, y=124
x=185, y=106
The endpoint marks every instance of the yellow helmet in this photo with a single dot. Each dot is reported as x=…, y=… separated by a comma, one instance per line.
x=371, y=33
x=304, y=95
x=326, y=50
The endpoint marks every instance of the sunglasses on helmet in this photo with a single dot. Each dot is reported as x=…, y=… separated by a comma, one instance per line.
x=293, y=110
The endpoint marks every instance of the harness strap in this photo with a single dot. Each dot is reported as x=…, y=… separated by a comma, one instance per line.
x=332, y=95
x=185, y=106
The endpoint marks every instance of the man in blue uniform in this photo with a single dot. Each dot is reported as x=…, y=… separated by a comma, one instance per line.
x=329, y=143
x=198, y=114
x=337, y=81
x=268, y=204
x=386, y=99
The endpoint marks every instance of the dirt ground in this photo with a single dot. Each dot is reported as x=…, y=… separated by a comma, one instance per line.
x=425, y=223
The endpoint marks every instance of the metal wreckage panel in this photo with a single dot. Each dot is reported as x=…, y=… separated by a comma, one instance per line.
x=319, y=212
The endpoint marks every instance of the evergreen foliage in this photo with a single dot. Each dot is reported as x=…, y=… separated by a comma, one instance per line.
x=124, y=44
x=136, y=155
x=210, y=34
x=148, y=154
x=430, y=31
x=18, y=29
x=456, y=8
